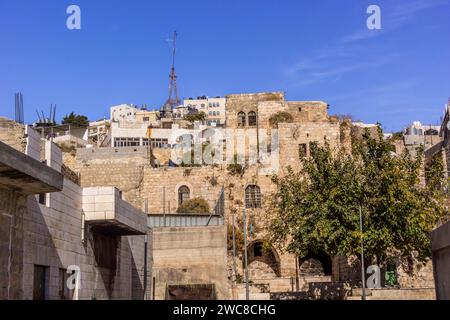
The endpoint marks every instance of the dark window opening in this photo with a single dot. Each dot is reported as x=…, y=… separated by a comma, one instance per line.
x=258, y=250
x=43, y=198
x=64, y=292
x=126, y=142
x=252, y=119
x=40, y=283
x=183, y=195
x=241, y=119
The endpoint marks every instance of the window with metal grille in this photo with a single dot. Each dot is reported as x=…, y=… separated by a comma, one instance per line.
x=253, y=196
x=183, y=195
x=252, y=119
x=241, y=119
x=126, y=142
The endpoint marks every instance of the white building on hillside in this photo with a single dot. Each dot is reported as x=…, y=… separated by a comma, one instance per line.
x=214, y=108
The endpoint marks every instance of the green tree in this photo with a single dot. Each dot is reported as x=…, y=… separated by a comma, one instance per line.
x=196, y=205
x=201, y=116
x=74, y=119
x=317, y=208
x=280, y=116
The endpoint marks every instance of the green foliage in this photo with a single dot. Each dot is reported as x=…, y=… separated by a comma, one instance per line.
x=74, y=119
x=201, y=116
x=434, y=173
x=317, y=208
x=279, y=117
x=239, y=239
x=196, y=205
x=397, y=135
x=235, y=168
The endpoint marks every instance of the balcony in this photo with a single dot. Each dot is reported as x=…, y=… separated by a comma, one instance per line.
x=25, y=174
x=107, y=213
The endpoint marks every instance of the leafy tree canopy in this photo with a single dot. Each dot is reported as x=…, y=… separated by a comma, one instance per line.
x=317, y=208
x=200, y=116
x=279, y=117
x=74, y=119
x=196, y=205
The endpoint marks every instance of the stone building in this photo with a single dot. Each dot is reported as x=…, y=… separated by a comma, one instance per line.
x=214, y=108
x=162, y=188
x=191, y=255
x=55, y=232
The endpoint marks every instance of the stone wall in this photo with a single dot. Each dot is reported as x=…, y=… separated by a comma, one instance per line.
x=440, y=241
x=247, y=103
x=56, y=238
x=12, y=134
x=190, y=256
x=122, y=168
x=12, y=213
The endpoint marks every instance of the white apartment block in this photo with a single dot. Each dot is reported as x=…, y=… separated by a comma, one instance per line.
x=214, y=108
x=123, y=112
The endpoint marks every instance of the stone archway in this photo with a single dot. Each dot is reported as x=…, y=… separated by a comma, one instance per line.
x=263, y=263
x=315, y=264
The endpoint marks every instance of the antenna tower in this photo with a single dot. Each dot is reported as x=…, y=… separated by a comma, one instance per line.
x=174, y=99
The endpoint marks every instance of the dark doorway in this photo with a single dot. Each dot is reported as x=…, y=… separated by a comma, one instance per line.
x=40, y=283
x=316, y=264
x=191, y=292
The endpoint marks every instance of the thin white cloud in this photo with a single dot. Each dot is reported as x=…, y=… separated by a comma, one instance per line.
x=394, y=15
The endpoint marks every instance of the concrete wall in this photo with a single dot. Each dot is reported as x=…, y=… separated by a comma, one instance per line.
x=54, y=238
x=190, y=256
x=12, y=213
x=104, y=205
x=440, y=240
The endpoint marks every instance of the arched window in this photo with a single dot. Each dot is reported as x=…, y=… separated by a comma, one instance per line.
x=183, y=195
x=253, y=196
x=252, y=119
x=241, y=119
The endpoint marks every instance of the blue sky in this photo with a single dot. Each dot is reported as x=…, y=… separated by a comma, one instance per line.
x=312, y=50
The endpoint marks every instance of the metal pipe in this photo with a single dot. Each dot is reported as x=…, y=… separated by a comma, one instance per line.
x=363, y=278
x=145, y=253
x=234, y=251
x=247, y=289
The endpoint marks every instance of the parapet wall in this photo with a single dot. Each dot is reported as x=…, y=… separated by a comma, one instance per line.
x=184, y=256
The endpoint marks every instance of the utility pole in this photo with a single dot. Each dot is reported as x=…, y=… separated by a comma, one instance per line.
x=247, y=290
x=164, y=205
x=145, y=253
x=234, y=255
x=363, y=276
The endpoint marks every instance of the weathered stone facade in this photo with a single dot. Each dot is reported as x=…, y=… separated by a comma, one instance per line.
x=47, y=233
x=131, y=171
x=12, y=213
x=191, y=256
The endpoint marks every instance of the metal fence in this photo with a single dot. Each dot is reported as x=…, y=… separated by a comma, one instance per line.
x=183, y=220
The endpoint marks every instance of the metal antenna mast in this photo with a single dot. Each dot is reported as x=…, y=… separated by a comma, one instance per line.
x=173, y=100
x=18, y=97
